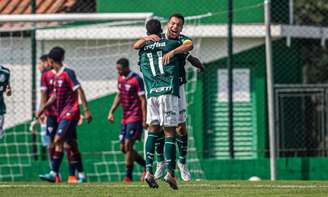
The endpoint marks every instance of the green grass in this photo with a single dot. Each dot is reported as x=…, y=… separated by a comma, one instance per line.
x=193, y=188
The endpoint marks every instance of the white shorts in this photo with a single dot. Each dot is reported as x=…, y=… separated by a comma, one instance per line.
x=182, y=105
x=163, y=110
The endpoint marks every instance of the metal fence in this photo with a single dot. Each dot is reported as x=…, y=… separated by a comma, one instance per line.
x=300, y=70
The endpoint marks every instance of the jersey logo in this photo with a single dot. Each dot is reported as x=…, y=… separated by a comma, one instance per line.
x=2, y=78
x=50, y=129
x=127, y=86
x=155, y=45
x=60, y=83
x=68, y=115
x=161, y=89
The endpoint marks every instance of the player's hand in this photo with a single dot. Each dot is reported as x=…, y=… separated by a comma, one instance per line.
x=202, y=68
x=152, y=37
x=144, y=124
x=167, y=57
x=87, y=115
x=38, y=114
x=110, y=118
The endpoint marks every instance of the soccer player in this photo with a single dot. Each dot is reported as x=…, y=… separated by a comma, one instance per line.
x=131, y=95
x=46, y=89
x=174, y=28
x=4, y=87
x=48, y=120
x=162, y=85
x=67, y=89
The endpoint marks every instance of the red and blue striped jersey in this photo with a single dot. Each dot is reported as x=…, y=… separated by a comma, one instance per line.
x=47, y=84
x=67, y=103
x=130, y=88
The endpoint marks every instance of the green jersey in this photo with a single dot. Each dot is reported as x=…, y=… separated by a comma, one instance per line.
x=159, y=79
x=4, y=82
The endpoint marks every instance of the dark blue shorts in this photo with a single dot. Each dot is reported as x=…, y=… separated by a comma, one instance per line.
x=131, y=131
x=67, y=129
x=52, y=125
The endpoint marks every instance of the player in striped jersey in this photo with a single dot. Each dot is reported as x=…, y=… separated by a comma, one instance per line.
x=4, y=88
x=131, y=95
x=65, y=95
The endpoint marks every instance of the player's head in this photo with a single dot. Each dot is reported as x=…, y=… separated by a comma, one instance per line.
x=175, y=25
x=122, y=66
x=43, y=62
x=56, y=56
x=153, y=26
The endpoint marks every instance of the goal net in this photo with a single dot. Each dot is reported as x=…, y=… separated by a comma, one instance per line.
x=93, y=45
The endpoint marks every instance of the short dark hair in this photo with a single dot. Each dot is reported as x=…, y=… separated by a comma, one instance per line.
x=57, y=54
x=123, y=61
x=153, y=26
x=44, y=57
x=179, y=16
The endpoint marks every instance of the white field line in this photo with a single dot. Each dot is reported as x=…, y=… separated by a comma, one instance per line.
x=221, y=186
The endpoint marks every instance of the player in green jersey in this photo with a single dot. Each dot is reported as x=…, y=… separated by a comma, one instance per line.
x=174, y=28
x=4, y=88
x=162, y=85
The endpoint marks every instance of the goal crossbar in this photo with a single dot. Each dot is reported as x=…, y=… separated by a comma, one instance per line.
x=74, y=17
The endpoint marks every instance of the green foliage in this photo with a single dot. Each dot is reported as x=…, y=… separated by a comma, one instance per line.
x=313, y=13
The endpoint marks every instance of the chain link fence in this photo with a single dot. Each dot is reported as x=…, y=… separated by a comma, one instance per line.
x=299, y=70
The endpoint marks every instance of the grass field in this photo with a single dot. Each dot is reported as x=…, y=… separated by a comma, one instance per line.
x=193, y=188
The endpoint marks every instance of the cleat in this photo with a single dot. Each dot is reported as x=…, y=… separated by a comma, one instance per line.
x=184, y=172
x=72, y=180
x=171, y=181
x=50, y=177
x=82, y=178
x=149, y=178
x=127, y=180
x=160, y=168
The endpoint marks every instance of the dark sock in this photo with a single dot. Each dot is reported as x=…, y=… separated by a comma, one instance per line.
x=160, y=148
x=71, y=166
x=57, y=158
x=129, y=170
x=170, y=154
x=77, y=160
x=182, y=141
x=139, y=159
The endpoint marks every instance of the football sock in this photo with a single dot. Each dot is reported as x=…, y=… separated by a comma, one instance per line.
x=57, y=158
x=182, y=141
x=150, y=149
x=170, y=154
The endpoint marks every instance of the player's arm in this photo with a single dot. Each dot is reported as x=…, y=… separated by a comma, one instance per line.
x=143, y=110
x=84, y=102
x=186, y=46
x=141, y=42
x=49, y=102
x=8, y=90
x=196, y=62
x=8, y=87
x=115, y=104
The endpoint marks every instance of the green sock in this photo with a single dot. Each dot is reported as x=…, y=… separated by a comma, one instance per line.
x=182, y=141
x=150, y=150
x=170, y=154
x=160, y=147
